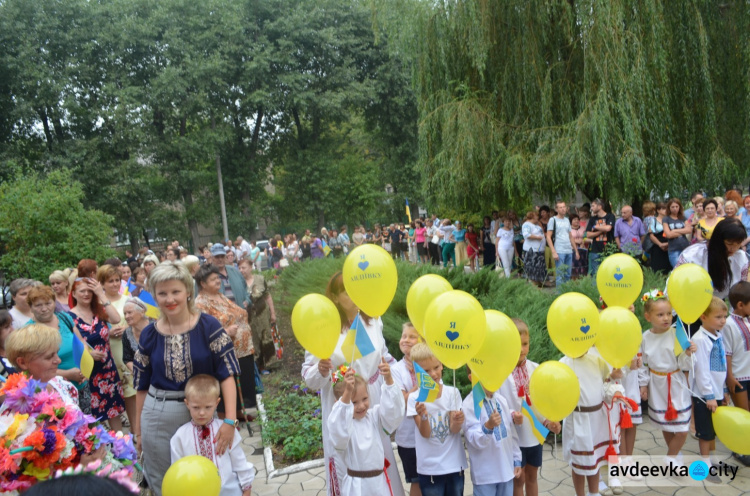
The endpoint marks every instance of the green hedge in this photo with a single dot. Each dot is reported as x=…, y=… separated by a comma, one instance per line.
x=514, y=297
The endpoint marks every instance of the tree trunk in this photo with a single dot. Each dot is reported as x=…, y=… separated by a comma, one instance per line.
x=45, y=122
x=321, y=220
x=187, y=197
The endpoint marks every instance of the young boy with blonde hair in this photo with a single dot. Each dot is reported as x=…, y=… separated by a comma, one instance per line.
x=198, y=437
x=708, y=377
x=403, y=374
x=441, y=459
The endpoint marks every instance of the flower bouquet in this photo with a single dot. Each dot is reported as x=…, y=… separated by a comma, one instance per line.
x=40, y=434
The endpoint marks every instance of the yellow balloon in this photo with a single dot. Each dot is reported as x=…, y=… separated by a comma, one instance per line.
x=619, y=337
x=573, y=323
x=370, y=279
x=499, y=353
x=554, y=390
x=619, y=280
x=193, y=474
x=316, y=324
x=454, y=327
x=690, y=290
x=732, y=426
x=420, y=295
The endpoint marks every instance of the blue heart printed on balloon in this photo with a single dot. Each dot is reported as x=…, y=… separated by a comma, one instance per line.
x=452, y=335
x=363, y=265
x=585, y=329
x=618, y=277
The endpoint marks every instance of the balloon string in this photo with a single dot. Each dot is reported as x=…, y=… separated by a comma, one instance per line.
x=454, y=385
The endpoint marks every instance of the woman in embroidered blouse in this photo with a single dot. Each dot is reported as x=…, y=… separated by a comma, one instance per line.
x=92, y=313
x=182, y=343
x=235, y=322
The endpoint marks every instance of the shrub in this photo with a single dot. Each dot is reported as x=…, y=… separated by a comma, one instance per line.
x=293, y=423
x=44, y=226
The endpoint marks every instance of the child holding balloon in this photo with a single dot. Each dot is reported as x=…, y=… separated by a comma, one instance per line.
x=515, y=390
x=708, y=377
x=317, y=375
x=587, y=435
x=492, y=443
x=441, y=459
x=403, y=374
x=661, y=380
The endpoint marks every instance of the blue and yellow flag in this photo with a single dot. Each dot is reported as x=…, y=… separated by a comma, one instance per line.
x=479, y=395
x=681, y=340
x=428, y=389
x=540, y=432
x=357, y=343
x=82, y=358
x=408, y=210
x=152, y=309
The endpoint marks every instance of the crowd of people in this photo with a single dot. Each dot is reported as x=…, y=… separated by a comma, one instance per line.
x=216, y=322
x=548, y=247
x=214, y=318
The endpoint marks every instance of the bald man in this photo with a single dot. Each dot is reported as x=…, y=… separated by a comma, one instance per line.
x=629, y=232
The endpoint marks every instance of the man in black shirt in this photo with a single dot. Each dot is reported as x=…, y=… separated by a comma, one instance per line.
x=395, y=237
x=600, y=230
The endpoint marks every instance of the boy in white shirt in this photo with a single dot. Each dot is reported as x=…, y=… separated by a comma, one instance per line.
x=492, y=442
x=736, y=336
x=708, y=377
x=515, y=390
x=441, y=459
x=403, y=374
x=198, y=437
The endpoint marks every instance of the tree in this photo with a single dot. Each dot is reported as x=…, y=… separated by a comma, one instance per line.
x=618, y=99
x=44, y=226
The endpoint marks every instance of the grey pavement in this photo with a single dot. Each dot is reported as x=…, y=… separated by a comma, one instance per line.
x=554, y=477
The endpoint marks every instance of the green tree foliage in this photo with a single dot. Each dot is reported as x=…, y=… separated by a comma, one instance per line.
x=620, y=99
x=140, y=100
x=44, y=226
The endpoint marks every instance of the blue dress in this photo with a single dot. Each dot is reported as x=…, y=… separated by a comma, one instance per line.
x=167, y=362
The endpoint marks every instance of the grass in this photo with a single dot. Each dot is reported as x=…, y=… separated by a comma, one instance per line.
x=514, y=297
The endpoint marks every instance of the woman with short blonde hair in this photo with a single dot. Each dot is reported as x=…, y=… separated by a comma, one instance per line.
x=182, y=343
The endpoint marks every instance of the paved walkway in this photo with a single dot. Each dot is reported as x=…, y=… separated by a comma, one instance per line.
x=554, y=478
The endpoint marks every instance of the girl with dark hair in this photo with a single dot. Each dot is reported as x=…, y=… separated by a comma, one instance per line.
x=317, y=375
x=721, y=257
x=660, y=244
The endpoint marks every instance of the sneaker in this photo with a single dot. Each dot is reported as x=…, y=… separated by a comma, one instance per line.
x=615, y=485
x=715, y=479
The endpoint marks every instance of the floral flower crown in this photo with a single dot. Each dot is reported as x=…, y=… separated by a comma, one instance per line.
x=654, y=294
x=340, y=372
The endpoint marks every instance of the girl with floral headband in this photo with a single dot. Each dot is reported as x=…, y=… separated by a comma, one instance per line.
x=661, y=379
